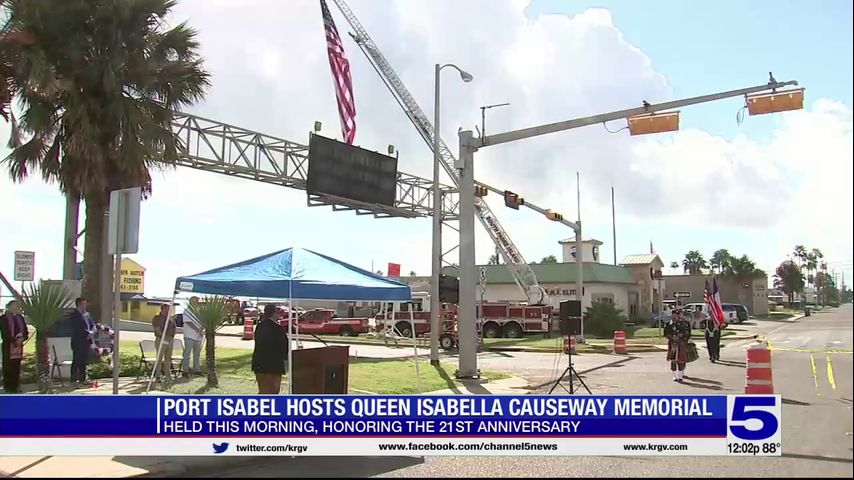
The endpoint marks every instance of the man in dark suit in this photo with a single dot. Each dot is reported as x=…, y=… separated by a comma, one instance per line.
x=81, y=340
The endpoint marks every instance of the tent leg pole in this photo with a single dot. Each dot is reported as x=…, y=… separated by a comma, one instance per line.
x=415, y=349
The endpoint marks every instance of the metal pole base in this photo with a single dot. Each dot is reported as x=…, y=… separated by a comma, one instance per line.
x=467, y=375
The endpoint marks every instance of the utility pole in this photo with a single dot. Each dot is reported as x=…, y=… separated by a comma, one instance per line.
x=614, y=224
x=468, y=274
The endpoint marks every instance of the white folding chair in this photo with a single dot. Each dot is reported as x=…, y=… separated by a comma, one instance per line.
x=61, y=357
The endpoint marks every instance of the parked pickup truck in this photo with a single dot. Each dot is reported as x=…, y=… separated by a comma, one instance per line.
x=325, y=321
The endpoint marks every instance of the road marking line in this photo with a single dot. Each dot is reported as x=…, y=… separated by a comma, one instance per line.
x=814, y=374
x=830, y=374
x=804, y=350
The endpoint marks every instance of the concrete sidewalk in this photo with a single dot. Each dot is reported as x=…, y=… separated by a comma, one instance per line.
x=506, y=386
x=113, y=467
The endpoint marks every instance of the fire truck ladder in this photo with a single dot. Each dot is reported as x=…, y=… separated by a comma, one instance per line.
x=522, y=272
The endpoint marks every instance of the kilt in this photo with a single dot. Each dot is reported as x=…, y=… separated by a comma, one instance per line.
x=677, y=350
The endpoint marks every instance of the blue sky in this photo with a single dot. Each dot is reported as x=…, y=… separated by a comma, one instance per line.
x=749, y=188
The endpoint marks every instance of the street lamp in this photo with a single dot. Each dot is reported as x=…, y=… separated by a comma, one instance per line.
x=437, y=219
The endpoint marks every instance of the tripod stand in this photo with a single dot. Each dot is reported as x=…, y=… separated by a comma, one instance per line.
x=569, y=372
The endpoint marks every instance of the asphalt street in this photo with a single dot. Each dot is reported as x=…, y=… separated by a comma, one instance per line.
x=812, y=365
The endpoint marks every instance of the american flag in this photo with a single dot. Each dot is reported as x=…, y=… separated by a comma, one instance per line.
x=712, y=298
x=340, y=75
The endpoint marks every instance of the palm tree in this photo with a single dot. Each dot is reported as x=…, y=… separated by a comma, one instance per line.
x=744, y=270
x=789, y=279
x=694, y=263
x=212, y=312
x=674, y=264
x=801, y=254
x=720, y=260
x=96, y=87
x=549, y=259
x=43, y=306
x=493, y=259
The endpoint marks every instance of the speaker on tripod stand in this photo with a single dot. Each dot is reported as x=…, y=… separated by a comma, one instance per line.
x=570, y=324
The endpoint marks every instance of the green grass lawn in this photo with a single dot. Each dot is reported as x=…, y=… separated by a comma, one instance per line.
x=382, y=376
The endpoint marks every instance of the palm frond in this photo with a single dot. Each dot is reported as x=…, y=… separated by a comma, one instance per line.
x=211, y=311
x=43, y=305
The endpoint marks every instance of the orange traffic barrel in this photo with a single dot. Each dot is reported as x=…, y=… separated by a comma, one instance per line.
x=758, y=379
x=248, y=329
x=620, y=342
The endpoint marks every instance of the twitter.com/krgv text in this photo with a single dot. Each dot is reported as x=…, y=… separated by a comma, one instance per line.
x=224, y=447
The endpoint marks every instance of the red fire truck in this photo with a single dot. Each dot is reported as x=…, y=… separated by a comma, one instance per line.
x=495, y=319
x=325, y=321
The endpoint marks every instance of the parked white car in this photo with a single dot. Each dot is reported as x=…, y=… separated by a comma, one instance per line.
x=731, y=316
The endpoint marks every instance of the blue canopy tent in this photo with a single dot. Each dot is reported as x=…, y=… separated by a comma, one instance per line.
x=296, y=273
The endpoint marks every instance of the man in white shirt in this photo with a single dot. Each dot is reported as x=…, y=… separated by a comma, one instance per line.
x=193, y=335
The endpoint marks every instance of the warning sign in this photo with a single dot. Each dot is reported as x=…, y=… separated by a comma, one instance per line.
x=25, y=265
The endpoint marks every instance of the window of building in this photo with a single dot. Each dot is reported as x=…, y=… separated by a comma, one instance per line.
x=603, y=297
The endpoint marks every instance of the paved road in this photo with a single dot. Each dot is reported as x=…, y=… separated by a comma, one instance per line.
x=817, y=415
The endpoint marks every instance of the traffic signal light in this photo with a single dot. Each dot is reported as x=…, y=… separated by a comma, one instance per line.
x=759, y=104
x=654, y=123
x=512, y=200
x=554, y=216
x=480, y=191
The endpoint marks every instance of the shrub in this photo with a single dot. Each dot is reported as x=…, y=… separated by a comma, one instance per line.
x=602, y=319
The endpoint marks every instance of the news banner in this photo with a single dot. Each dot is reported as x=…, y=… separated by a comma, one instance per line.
x=744, y=425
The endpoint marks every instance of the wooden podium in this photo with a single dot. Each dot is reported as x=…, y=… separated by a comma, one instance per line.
x=322, y=370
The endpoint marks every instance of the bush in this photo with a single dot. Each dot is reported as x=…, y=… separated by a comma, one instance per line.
x=602, y=319
x=130, y=368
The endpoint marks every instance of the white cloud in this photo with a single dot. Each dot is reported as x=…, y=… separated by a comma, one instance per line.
x=270, y=73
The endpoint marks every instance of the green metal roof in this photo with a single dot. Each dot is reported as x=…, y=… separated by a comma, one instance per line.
x=557, y=273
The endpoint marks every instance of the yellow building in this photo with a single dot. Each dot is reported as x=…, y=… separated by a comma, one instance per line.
x=135, y=305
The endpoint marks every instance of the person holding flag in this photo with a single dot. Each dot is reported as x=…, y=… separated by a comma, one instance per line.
x=716, y=320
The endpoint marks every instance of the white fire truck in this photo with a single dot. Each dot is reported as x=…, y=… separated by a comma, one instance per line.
x=495, y=319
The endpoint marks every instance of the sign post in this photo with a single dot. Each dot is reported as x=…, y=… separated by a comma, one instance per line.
x=25, y=263
x=123, y=238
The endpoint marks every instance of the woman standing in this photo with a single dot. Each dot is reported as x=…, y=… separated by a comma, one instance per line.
x=13, y=334
x=269, y=359
x=678, y=332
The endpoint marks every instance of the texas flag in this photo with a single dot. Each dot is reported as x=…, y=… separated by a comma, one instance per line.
x=712, y=298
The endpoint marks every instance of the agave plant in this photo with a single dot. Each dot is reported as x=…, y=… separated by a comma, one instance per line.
x=42, y=307
x=212, y=313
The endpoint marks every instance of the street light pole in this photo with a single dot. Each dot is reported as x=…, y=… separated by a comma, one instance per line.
x=436, y=259
x=468, y=275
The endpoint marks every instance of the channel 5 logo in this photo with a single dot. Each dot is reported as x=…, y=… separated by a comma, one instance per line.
x=753, y=417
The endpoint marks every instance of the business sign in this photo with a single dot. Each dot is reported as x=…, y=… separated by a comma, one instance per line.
x=381, y=425
x=350, y=173
x=25, y=266
x=393, y=270
x=132, y=278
